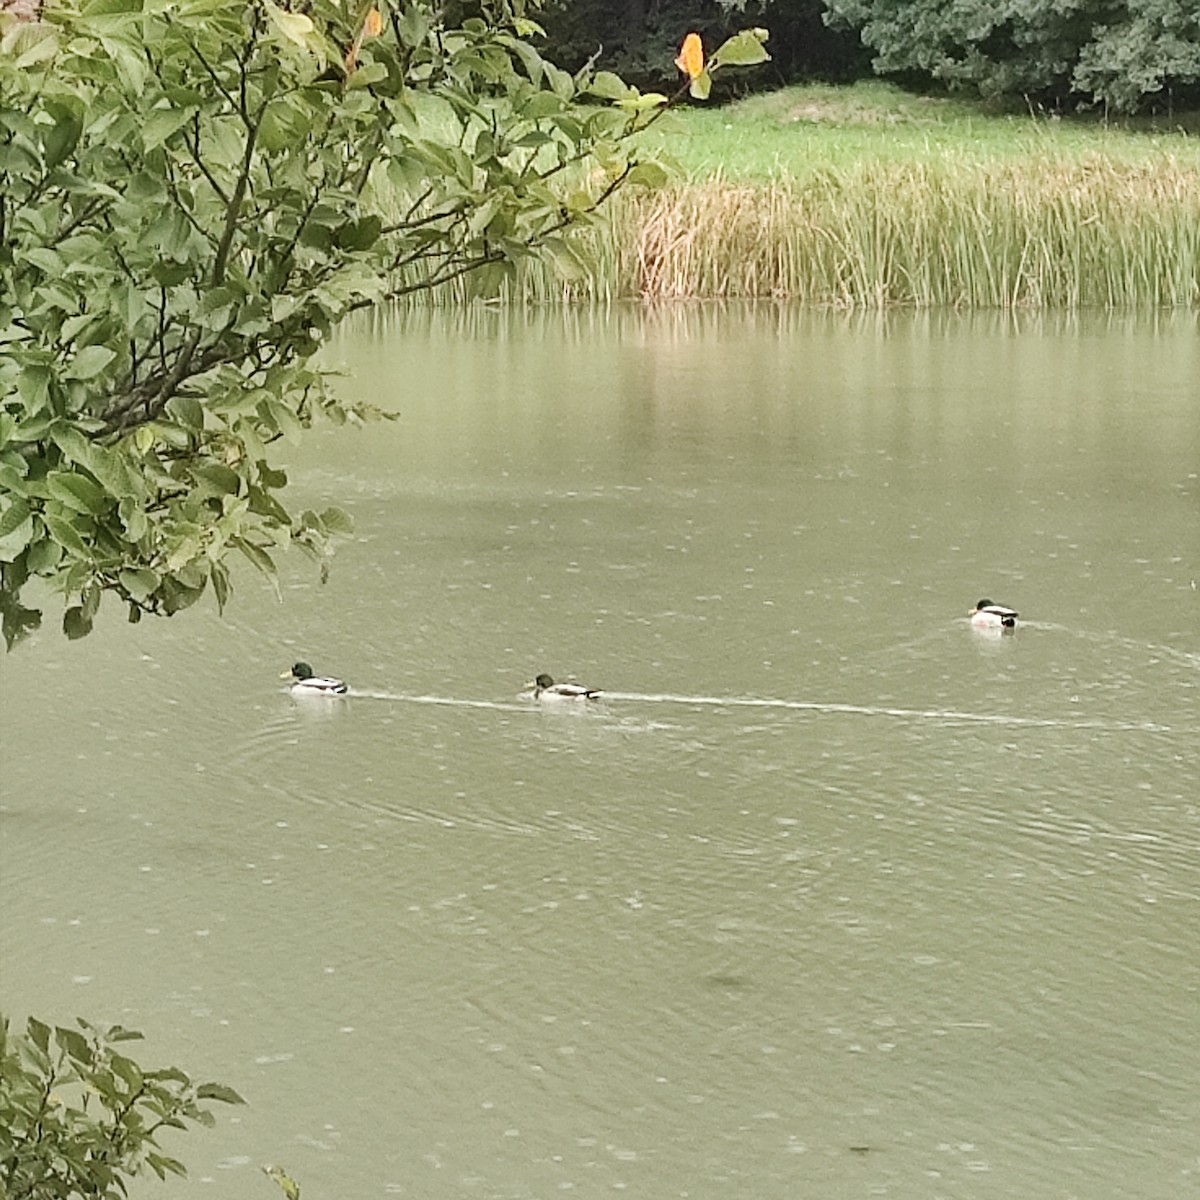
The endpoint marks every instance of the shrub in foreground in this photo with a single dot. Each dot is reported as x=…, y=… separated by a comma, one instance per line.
x=79, y=1118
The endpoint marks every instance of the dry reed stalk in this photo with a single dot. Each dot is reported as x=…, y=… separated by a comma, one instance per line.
x=1010, y=235
x=1034, y=232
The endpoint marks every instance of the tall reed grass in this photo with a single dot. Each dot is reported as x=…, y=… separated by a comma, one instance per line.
x=1038, y=231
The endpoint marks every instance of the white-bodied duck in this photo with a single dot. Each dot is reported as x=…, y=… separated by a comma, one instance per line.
x=306, y=683
x=986, y=615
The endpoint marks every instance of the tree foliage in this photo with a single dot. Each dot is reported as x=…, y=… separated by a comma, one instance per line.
x=637, y=38
x=192, y=194
x=79, y=1118
x=1117, y=53
x=1152, y=46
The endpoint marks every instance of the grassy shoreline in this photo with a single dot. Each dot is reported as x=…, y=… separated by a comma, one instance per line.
x=798, y=130
x=866, y=196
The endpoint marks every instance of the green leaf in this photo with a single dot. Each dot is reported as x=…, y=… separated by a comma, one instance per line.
x=643, y=103
x=539, y=105
x=366, y=76
x=16, y=621
x=128, y=1070
x=72, y=443
x=66, y=535
x=161, y=1164
x=256, y=554
x=184, y=551
x=221, y=479
x=531, y=60
x=139, y=582
x=361, y=234
x=176, y=597
x=75, y=625
x=647, y=175
x=161, y=123
x=188, y=411
x=134, y=518
x=285, y=420
x=12, y=482
x=412, y=23
x=108, y=465
x=60, y=140
x=31, y=42
x=74, y=1043
x=39, y=1033
x=271, y=477
x=218, y=1091
x=296, y=27
x=89, y=362
x=43, y=556
x=13, y=517
x=561, y=82
x=701, y=86
x=336, y=520
x=118, y=1033
x=76, y=492
x=744, y=49
x=90, y=601
x=607, y=86
x=283, y=126
x=219, y=574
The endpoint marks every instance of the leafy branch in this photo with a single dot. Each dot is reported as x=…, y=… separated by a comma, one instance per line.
x=192, y=200
x=79, y=1118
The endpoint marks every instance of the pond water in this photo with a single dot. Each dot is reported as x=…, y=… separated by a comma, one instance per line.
x=830, y=895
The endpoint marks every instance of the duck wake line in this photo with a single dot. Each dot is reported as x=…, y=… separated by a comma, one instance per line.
x=815, y=706
x=875, y=710
x=443, y=701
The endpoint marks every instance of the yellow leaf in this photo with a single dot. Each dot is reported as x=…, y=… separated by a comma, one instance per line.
x=373, y=26
x=691, y=56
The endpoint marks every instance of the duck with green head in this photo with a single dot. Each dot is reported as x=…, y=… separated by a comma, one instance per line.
x=544, y=688
x=306, y=683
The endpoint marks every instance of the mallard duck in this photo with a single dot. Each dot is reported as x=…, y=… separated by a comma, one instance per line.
x=305, y=683
x=986, y=615
x=544, y=688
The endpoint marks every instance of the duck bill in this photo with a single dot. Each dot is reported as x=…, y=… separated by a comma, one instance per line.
x=285, y=675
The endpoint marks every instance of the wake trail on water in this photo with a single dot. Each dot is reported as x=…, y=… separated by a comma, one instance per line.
x=950, y=716
x=875, y=710
x=443, y=701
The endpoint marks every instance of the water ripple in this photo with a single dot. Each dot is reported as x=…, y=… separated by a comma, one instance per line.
x=873, y=710
x=943, y=715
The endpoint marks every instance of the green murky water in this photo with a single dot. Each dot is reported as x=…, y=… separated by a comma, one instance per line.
x=830, y=896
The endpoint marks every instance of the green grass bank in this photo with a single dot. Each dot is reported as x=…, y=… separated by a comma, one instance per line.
x=867, y=196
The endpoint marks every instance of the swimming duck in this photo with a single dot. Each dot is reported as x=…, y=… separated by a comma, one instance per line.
x=986, y=615
x=305, y=683
x=544, y=688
